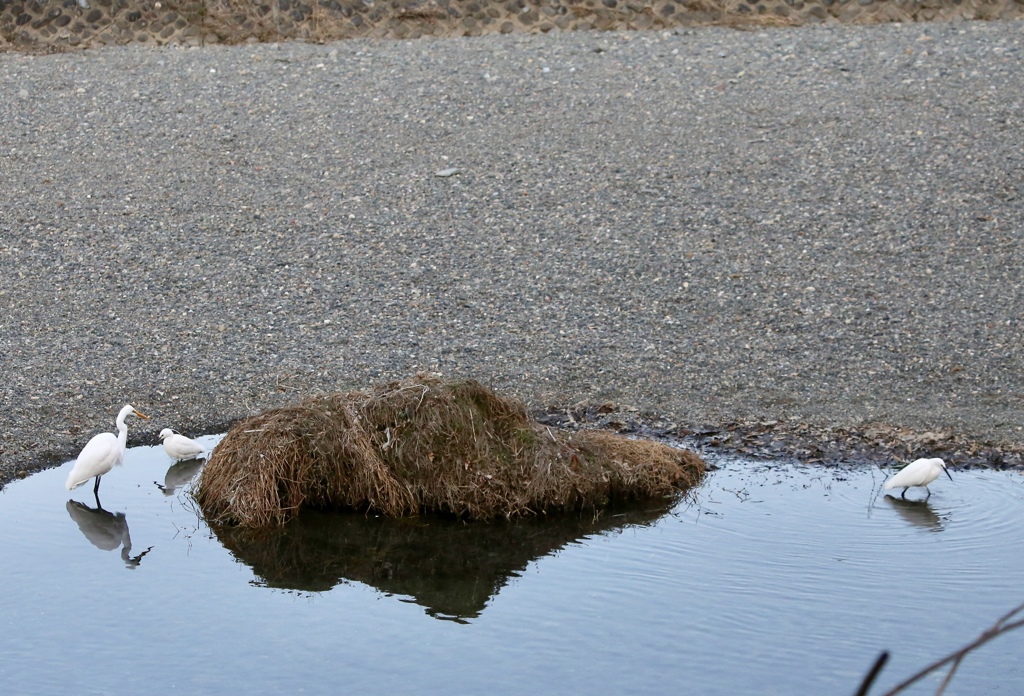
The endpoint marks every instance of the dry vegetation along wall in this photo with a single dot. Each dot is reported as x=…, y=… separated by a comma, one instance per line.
x=67, y=24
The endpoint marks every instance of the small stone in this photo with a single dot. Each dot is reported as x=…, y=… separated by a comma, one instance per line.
x=445, y=173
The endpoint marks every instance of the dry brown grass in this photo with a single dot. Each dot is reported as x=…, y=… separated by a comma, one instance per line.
x=41, y=26
x=426, y=446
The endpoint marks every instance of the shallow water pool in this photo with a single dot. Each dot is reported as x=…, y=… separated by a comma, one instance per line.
x=771, y=579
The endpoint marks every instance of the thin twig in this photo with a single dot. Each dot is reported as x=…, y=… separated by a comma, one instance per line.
x=949, y=675
x=998, y=628
x=956, y=664
x=869, y=678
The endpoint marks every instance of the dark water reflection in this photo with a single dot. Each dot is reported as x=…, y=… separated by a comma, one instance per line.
x=179, y=474
x=918, y=513
x=451, y=568
x=105, y=530
x=109, y=531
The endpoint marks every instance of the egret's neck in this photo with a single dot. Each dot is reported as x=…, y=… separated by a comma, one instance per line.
x=122, y=432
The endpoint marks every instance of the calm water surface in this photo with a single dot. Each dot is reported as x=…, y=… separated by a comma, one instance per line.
x=772, y=579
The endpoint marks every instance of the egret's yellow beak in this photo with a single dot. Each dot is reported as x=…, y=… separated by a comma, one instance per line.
x=143, y=416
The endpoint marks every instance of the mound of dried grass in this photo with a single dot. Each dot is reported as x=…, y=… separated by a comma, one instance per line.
x=426, y=446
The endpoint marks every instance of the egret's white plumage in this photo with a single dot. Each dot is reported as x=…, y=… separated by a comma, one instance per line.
x=919, y=472
x=180, y=447
x=102, y=453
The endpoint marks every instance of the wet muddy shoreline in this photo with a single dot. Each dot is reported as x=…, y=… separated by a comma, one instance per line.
x=874, y=445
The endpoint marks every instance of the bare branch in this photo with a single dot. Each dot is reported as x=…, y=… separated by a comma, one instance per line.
x=869, y=678
x=998, y=628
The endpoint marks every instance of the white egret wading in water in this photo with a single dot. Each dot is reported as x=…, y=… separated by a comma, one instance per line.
x=102, y=453
x=180, y=447
x=919, y=472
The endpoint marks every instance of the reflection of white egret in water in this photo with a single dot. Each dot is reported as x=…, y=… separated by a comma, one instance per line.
x=179, y=474
x=105, y=530
x=917, y=512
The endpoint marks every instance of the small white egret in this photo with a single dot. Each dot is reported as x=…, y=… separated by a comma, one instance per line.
x=102, y=453
x=919, y=472
x=180, y=447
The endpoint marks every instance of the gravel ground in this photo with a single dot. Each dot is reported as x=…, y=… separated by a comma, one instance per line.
x=801, y=231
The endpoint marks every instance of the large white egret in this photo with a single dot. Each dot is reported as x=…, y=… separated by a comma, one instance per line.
x=180, y=447
x=919, y=472
x=102, y=453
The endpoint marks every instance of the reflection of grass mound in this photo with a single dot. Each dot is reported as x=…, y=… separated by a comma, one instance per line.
x=451, y=568
x=426, y=446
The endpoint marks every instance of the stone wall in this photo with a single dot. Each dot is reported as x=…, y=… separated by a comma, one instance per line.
x=66, y=24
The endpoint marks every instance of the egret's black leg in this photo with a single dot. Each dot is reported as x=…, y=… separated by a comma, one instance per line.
x=929, y=492
x=904, y=493
x=96, y=488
